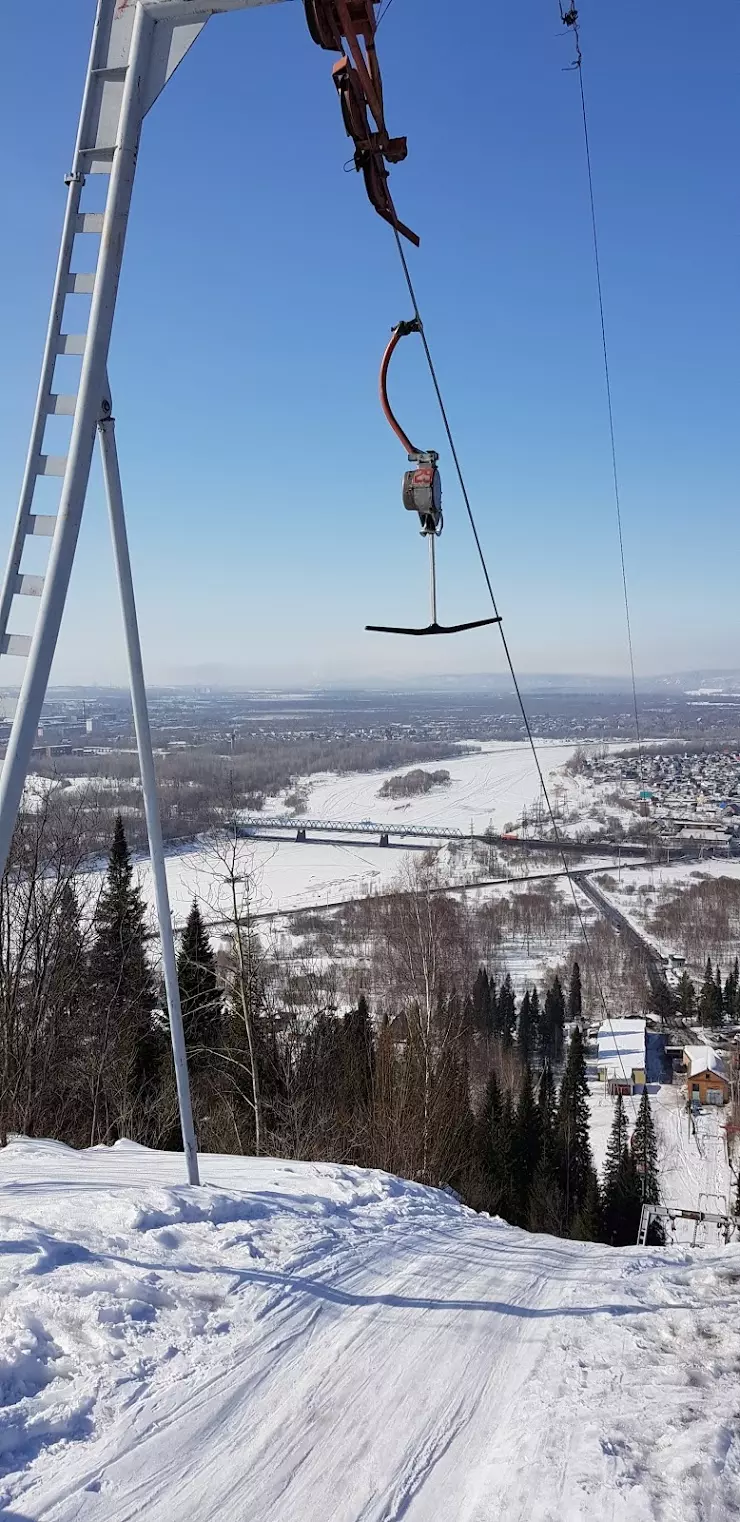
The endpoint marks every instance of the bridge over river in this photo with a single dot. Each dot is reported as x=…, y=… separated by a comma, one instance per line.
x=333, y=831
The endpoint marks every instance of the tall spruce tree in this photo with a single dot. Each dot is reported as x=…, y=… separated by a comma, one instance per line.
x=547, y=1104
x=687, y=997
x=575, y=995
x=546, y=1203
x=710, y=998
x=58, y=1086
x=526, y=1149
x=494, y=1150
x=525, y=1033
x=662, y=1000
x=622, y=1193
x=572, y=1132
x=200, y=995
x=729, y=995
x=359, y=1057
x=122, y=994
x=535, y=1019
x=645, y=1157
x=486, y=1143
x=482, y=1003
x=507, y=1011
x=552, y=1024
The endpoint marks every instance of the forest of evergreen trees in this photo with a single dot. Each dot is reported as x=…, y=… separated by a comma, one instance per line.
x=460, y=1087
x=718, y=998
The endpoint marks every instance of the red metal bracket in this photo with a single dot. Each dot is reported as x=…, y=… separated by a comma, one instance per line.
x=360, y=88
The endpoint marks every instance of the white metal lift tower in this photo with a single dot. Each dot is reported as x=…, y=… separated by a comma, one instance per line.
x=136, y=47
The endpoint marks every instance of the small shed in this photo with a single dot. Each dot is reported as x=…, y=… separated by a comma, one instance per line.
x=621, y=1055
x=707, y=1081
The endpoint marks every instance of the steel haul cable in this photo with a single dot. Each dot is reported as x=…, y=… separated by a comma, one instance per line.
x=507, y=652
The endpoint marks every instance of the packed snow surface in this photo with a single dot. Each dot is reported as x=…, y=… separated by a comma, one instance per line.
x=302, y=1343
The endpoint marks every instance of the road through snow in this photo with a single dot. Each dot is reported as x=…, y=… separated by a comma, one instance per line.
x=314, y=1343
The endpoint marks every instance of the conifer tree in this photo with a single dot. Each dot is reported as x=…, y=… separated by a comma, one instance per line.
x=552, y=1023
x=507, y=1011
x=525, y=1034
x=546, y=1203
x=575, y=996
x=645, y=1156
x=729, y=997
x=359, y=1057
x=622, y=1193
x=616, y=1147
x=495, y=1009
x=487, y=1137
x=710, y=998
x=572, y=1131
x=535, y=1019
x=662, y=999
x=200, y=996
x=123, y=999
x=507, y=1204
x=687, y=997
x=482, y=1002
x=526, y=1149
x=494, y=1149
x=62, y=1032
x=547, y=1104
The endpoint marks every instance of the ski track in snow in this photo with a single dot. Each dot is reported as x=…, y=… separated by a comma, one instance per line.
x=314, y=1343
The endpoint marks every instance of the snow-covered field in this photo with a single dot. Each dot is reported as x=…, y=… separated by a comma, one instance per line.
x=282, y=875
x=489, y=787
x=303, y=1343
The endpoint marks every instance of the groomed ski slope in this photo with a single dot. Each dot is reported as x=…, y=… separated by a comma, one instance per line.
x=300, y=1343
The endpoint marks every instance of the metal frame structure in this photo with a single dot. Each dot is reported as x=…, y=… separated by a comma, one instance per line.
x=136, y=47
x=727, y=1224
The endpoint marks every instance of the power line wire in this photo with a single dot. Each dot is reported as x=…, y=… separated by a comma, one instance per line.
x=570, y=19
x=383, y=13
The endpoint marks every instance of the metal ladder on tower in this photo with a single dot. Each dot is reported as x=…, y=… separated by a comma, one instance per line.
x=136, y=47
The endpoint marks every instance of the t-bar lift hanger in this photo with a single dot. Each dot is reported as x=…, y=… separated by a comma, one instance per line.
x=422, y=494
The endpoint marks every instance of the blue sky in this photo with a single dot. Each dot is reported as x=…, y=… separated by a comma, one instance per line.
x=262, y=484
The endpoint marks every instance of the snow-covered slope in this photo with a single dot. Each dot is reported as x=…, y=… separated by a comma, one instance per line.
x=299, y=1343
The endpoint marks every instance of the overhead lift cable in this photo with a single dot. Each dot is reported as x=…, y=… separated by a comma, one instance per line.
x=507, y=653
x=569, y=19
x=360, y=89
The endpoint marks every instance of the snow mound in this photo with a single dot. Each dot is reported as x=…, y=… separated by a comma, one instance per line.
x=298, y=1342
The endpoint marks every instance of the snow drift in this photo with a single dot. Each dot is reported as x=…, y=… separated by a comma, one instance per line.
x=300, y=1343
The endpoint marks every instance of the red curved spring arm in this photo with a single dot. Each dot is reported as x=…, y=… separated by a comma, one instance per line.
x=399, y=332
